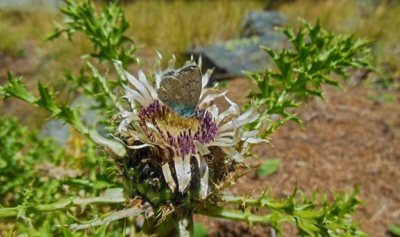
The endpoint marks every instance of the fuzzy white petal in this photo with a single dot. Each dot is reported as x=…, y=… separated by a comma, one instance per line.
x=116, y=147
x=133, y=95
x=233, y=153
x=206, y=77
x=231, y=125
x=222, y=142
x=139, y=86
x=249, y=116
x=171, y=63
x=168, y=176
x=204, y=174
x=200, y=62
x=127, y=117
x=213, y=110
x=183, y=174
x=255, y=140
x=233, y=104
x=145, y=82
x=229, y=133
x=203, y=150
x=157, y=73
x=238, y=135
x=252, y=133
x=232, y=110
x=139, y=146
x=205, y=91
x=210, y=98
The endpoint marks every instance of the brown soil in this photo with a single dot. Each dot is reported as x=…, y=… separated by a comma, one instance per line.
x=348, y=140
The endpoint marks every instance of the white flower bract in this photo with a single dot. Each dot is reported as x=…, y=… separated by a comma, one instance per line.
x=176, y=141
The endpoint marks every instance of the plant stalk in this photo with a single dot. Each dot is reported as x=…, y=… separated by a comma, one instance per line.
x=185, y=225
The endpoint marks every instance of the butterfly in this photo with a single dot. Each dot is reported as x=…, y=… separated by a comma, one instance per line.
x=180, y=90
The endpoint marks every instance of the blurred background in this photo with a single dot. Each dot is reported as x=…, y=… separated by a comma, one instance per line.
x=350, y=140
x=176, y=27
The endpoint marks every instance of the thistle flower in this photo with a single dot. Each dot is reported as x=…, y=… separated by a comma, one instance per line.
x=170, y=152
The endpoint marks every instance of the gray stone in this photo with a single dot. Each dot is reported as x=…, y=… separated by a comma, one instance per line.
x=232, y=57
x=261, y=23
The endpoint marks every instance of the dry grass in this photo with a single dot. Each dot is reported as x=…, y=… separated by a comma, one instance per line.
x=175, y=26
x=22, y=39
x=167, y=26
x=172, y=27
x=11, y=37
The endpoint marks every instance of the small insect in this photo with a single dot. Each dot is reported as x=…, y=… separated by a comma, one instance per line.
x=180, y=90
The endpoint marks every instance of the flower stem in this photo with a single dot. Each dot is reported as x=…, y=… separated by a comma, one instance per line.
x=235, y=215
x=185, y=225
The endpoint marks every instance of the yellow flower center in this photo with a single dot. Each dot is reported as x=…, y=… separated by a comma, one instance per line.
x=176, y=124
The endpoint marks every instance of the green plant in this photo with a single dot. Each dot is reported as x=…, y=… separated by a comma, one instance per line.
x=173, y=166
x=38, y=175
x=375, y=20
x=268, y=167
x=394, y=230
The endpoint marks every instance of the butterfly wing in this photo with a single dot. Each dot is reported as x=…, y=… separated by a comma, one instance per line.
x=180, y=90
x=190, y=77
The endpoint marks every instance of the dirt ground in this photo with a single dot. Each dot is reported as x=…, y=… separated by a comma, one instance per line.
x=348, y=140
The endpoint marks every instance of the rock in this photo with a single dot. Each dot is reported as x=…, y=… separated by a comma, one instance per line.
x=262, y=23
x=234, y=56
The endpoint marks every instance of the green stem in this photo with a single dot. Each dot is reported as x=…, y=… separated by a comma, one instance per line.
x=110, y=196
x=185, y=225
x=235, y=215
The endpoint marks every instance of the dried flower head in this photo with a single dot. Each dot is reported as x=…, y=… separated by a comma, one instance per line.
x=179, y=144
